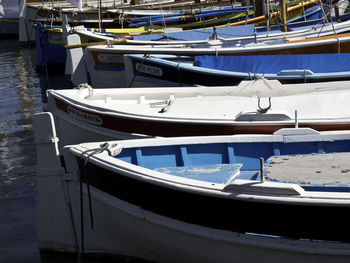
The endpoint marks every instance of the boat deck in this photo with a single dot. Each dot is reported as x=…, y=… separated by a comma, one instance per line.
x=327, y=169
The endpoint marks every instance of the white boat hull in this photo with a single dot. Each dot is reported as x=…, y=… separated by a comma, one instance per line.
x=123, y=228
x=146, y=112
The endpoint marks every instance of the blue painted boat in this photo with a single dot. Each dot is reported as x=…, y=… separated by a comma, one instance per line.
x=231, y=70
x=225, y=10
x=199, y=199
x=297, y=12
x=50, y=40
x=181, y=17
x=107, y=74
x=49, y=47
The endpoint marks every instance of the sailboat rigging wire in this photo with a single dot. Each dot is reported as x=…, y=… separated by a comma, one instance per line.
x=323, y=12
x=163, y=21
x=302, y=4
x=247, y=13
x=268, y=17
x=330, y=11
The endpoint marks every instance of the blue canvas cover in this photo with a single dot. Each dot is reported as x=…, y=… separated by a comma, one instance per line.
x=317, y=63
x=201, y=34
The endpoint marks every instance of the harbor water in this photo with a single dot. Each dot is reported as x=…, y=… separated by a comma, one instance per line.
x=20, y=98
x=22, y=94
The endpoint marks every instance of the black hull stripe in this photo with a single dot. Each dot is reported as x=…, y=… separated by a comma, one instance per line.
x=188, y=77
x=286, y=220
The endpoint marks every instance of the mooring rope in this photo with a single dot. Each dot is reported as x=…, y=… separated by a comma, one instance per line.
x=82, y=165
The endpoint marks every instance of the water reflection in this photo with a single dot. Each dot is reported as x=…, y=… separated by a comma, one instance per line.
x=23, y=93
x=52, y=81
x=19, y=99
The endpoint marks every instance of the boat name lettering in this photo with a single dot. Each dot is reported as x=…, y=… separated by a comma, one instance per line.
x=312, y=8
x=91, y=118
x=54, y=37
x=110, y=58
x=149, y=69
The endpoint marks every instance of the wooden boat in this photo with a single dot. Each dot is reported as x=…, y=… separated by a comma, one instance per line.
x=297, y=11
x=256, y=106
x=106, y=62
x=166, y=70
x=200, y=18
x=166, y=7
x=197, y=199
x=191, y=20
x=121, y=22
x=147, y=15
x=50, y=42
x=52, y=12
x=242, y=33
x=307, y=17
x=90, y=16
x=148, y=32
x=130, y=32
x=328, y=44
x=54, y=37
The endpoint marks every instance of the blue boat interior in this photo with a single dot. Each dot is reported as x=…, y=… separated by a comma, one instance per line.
x=223, y=162
x=277, y=64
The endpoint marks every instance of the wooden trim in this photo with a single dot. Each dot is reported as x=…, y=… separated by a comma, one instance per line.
x=335, y=36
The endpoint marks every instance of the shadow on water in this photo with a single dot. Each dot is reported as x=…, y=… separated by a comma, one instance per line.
x=52, y=81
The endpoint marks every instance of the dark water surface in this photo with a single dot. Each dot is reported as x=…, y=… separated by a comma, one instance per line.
x=22, y=94
x=20, y=97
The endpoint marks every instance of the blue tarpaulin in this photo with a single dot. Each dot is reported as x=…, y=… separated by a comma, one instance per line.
x=201, y=34
x=317, y=63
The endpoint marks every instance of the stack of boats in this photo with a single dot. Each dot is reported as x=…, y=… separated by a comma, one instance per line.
x=50, y=40
x=226, y=144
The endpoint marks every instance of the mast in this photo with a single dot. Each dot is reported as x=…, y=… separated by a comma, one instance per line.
x=99, y=17
x=283, y=15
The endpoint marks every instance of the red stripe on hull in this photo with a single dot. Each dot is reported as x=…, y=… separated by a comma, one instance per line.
x=173, y=129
